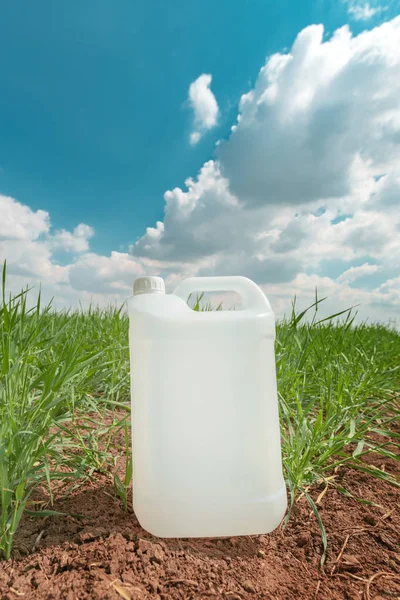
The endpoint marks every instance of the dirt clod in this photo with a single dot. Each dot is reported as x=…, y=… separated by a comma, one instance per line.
x=304, y=539
x=249, y=586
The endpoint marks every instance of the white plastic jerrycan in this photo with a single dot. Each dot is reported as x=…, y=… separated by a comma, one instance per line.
x=205, y=424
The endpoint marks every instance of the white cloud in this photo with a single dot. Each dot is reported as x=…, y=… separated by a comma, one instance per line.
x=204, y=105
x=320, y=125
x=22, y=241
x=77, y=241
x=195, y=137
x=315, y=116
x=363, y=12
x=19, y=222
x=356, y=272
x=389, y=292
x=379, y=304
x=98, y=274
x=197, y=223
x=29, y=246
x=32, y=260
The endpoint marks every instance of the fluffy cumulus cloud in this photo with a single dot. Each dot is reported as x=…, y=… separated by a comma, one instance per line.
x=75, y=241
x=19, y=222
x=98, y=274
x=316, y=116
x=309, y=174
x=30, y=247
x=304, y=194
x=204, y=105
x=23, y=242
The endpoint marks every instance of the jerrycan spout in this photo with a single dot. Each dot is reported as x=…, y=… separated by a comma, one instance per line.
x=148, y=285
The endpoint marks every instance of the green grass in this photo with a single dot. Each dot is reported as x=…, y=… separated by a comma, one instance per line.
x=62, y=374
x=53, y=367
x=338, y=384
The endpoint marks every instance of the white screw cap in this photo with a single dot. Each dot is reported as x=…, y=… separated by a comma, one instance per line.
x=148, y=285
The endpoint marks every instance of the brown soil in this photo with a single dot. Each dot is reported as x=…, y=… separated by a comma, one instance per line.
x=107, y=555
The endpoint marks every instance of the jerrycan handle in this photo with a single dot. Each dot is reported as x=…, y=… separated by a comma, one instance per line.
x=252, y=296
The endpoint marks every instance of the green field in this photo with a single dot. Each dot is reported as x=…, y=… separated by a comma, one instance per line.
x=61, y=373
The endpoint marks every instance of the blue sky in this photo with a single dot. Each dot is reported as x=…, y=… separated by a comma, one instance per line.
x=95, y=118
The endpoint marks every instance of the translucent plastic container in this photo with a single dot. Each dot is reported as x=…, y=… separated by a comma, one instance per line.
x=205, y=424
